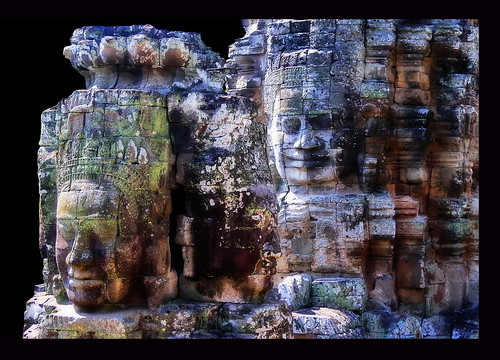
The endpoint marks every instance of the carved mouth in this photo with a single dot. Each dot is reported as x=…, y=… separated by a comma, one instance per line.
x=80, y=284
x=296, y=158
x=306, y=155
x=81, y=279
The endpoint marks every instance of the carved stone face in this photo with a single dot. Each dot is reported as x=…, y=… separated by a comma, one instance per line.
x=97, y=264
x=313, y=149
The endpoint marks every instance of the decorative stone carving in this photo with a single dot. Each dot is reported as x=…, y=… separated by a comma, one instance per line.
x=227, y=232
x=153, y=124
x=370, y=129
x=319, y=129
x=113, y=165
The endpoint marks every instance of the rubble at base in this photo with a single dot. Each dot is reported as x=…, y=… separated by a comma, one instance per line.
x=375, y=321
x=47, y=319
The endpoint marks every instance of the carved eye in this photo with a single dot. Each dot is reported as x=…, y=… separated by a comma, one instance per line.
x=320, y=122
x=66, y=230
x=291, y=125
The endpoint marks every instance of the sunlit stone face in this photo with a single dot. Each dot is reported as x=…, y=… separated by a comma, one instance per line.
x=98, y=265
x=313, y=149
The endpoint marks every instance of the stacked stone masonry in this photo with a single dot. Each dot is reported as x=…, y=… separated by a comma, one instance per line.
x=336, y=160
x=395, y=103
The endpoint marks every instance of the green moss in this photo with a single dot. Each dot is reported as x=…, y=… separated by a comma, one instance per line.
x=375, y=89
x=154, y=121
x=158, y=174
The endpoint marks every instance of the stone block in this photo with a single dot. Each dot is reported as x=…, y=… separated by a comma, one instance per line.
x=350, y=209
x=316, y=107
x=276, y=43
x=385, y=228
x=466, y=323
x=437, y=327
x=297, y=41
x=32, y=332
x=65, y=318
x=36, y=307
x=454, y=286
x=299, y=262
x=388, y=325
x=343, y=293
x=349, y=32
x=378, y=71
x=465, y=331
x=383, y=289
x=322, y=40
x=267, y=321
x=412, y=79
x=414, y=45
x=327, y=323
x=380, y=206
x=341, y=252
x=279, y=27
x=300, y=26
x=323, y=25
x=413, y=227
x=319, y=74
x=378, y=38
x=314, y=92
x=405, y=206
x=179, y=318
x=295, y=290
x=49, y=127
x=173, y=52
x=412, y=96
x=410, y=273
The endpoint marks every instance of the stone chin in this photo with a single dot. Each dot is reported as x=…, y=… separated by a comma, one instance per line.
x=310, y=175
x=95, y=293
x=86, y=293
x=309, y=170
x=309, y=162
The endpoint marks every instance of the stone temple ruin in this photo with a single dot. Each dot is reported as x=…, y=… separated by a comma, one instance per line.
x=322, y=182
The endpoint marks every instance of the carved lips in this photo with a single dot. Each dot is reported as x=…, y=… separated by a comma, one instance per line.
x=307, y=159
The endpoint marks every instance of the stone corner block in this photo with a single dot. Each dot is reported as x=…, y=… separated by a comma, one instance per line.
x=295, y=290
x=343, y=293
x=327, y=323
x=271, y=320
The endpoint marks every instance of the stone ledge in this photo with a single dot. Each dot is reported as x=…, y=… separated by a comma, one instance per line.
x=326, y=323
x=345, y=293
x=45, y=318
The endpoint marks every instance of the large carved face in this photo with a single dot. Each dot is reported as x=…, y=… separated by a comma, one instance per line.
x=313, y=149
x=98, y=265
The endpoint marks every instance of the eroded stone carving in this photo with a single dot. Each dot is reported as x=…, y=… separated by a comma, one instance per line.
x=154, y=120
x=372, y=138
x=228, y=230
x=113, y=166
x=335, y=212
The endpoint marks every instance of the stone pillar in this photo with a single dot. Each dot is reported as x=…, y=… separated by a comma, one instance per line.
x=453, y=160
x=377, y=92
x=228, y=231
x=47, y=183
x=411, y=140
x=379, y=274
x=410, y=250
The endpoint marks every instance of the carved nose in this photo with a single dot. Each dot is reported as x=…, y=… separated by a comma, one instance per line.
x=307, y=141
x=80, y=255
